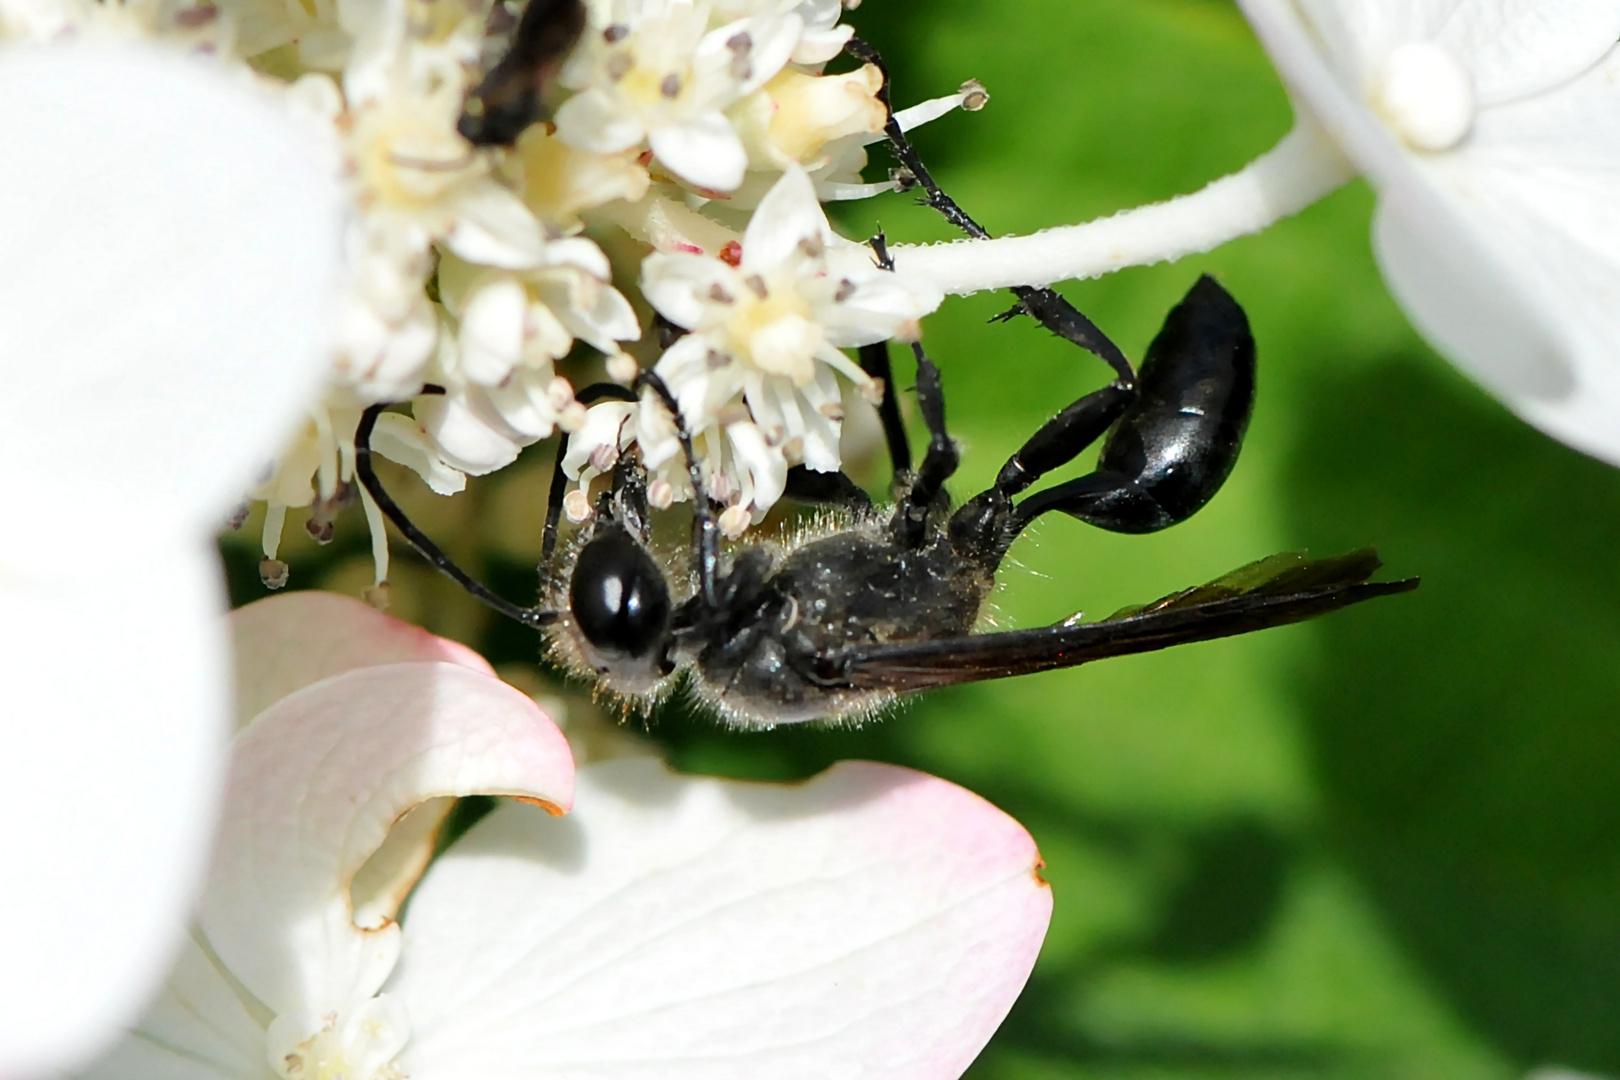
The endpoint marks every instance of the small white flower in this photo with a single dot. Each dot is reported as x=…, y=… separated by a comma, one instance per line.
x=560, y=181
x=820, y=40
x=873, y=918
x=766, y=334
x=796, y=294
x=804, y=119
x=656, y=73
x=501, y=389
x=169, y=237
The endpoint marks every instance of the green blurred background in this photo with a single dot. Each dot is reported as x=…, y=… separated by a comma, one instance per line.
x=1379, y=845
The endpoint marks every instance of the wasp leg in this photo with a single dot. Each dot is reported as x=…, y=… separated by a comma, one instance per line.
x=1061, y=439
x=559, y=480
x=939, y=461
x=1046, y=306
x=874, y=361
x=418, y=539
x=826, y=489
x=705, y=531
x=941, y=457
x=1179, y=438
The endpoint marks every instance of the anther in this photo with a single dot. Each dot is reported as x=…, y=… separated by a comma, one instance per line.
x=619, y=65
x=718, y=294
x=274, y=573
x=757, y=284
x=577, y=505
x=846, y=289
x=671, y=86
x=615, y=33
x=812, y=247
x=974, y=95
x=731, y=254
x=379, y=596
x=734, y=521
x=559, y=392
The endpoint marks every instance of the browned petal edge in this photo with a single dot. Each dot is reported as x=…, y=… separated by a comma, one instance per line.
x=549, y=807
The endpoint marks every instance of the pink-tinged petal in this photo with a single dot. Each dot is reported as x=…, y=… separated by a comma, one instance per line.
x=788, y=216
x=115, y=703
x=874, y=922
x=287, y=642
x=197, y=1029
x=317, y=781
x=704, y=151
x=174, y=320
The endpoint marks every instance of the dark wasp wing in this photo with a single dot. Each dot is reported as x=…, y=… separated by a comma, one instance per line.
x=1272, y=592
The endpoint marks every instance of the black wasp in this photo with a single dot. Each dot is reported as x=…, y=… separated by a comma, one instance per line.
x=837, y=626
x=507, y=100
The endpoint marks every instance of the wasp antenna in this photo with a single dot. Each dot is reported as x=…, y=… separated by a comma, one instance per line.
x=419, y=540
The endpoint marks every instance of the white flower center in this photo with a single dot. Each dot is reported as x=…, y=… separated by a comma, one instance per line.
x=360, y=1045
x=774, y=329
x=1426, y=96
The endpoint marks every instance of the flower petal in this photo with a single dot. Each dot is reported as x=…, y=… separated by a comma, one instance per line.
x=315, y=784
x=1465, y=302
x=589, y=121
x=1518, y=47
x=787, y=216
x=469, y=433
x=494, y=228
x=492, y=328
x=1505, y=252
x=874, y=921
x=680, y=284
x=703, y=150
x=114, y=698
x=174, y=320
x=197, y=1029
x=287, y=642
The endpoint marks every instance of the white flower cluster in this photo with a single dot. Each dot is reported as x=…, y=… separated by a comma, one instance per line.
x=706, y=129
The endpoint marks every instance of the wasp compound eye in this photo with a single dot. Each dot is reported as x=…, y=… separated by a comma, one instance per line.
x=618, y=597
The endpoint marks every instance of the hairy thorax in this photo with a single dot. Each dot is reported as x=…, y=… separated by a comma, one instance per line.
x=790, y=616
